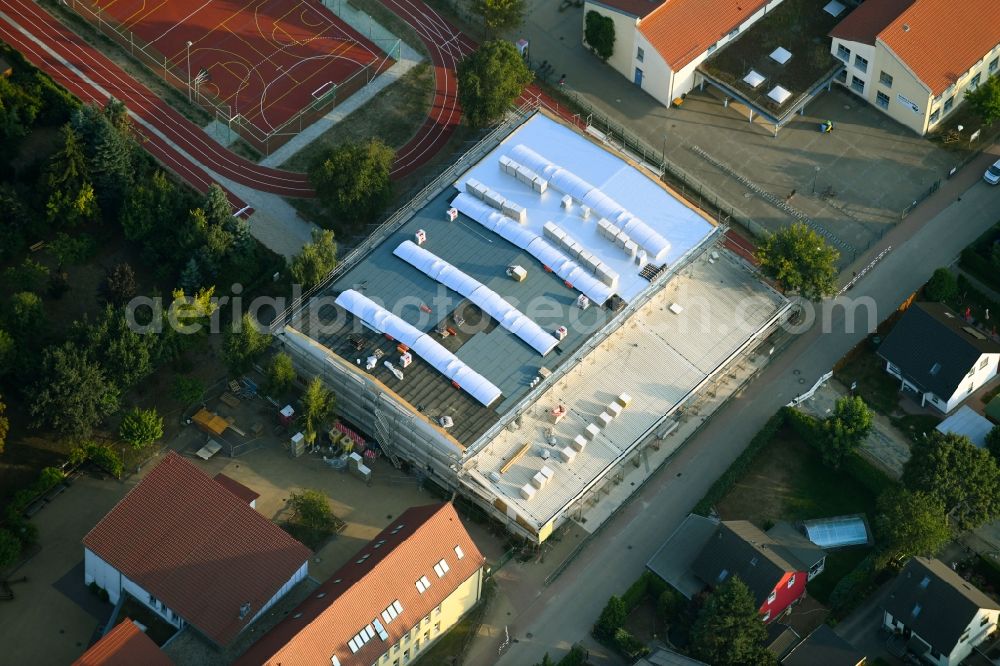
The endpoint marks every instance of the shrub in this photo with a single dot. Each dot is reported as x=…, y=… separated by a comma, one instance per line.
x=629, y=645
x=669, y=605
x=612, y=618
x=942, y=286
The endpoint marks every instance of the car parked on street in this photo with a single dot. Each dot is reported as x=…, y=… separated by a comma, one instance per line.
x=992, y=175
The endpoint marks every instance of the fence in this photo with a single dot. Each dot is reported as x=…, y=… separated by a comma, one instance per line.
x=180, y=77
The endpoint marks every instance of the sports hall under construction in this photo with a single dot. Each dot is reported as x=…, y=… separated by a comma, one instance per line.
x=526, y=333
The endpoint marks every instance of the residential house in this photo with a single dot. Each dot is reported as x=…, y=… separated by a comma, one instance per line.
x=125, y=645
x=941, y=615
x=659, y=44
x=775, y=565
x=194, y=552
x=824, y=647
x=939, y=356
x=915, y=59
x=395, y=598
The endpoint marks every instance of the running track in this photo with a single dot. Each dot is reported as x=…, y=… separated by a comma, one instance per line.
x=445, y=44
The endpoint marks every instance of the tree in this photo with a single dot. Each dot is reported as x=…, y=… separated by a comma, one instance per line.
x=4, y=424
x=611, y=619
x=244, y=343
x=186, y=390
x=68, y=166
x=16, y=222
x=992, y=438
x=353, y=179
x=953, y=470
x=599, y=33
x=25, y=317
x=911, y=523
x=801, y=260
x=10, y=547
x=217, y=208
x=546, y=661
x=18, y=110
x=316, y=260
x=311, y=509
x=119, y=284
x=69, y=208
x=69, y=250
x=125, y=356
x=729, y=630
x=844, y=430
x=7, y=352
x=148, y=204
x=985, y=100
x=72, y=394
x=318, y=404
x=942, y=286
x=110, y=154
x=489, y=80
x=499, y=15
x=141, y=427
x=28, y=276
x=280, y=374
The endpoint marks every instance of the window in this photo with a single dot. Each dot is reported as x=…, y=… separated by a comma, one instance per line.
x=441, y=568
x=964, y=637
x=857, y=85
x=844, y=53
x=935, y=116
x=458, y=552
x=771, y=597
x=885, y=79
x=639, y=53
x=711, y=49
x=732, y=33
x=972, y=387
x=767, y=616
x=791, y=581
x=422, y=584
x=972, y=370
x=437, y=611
x=881, y=100
x=974, y=83
x=984, y=362
x=986, y=618
x=860, y=63
x=437, y=626
x=842, y=76
x=948, y=103
x=427, y=636
x=994, y=64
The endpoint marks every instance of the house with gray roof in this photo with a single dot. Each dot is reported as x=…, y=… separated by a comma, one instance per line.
x=938, y=355
x=824, y=647
x=941, y=615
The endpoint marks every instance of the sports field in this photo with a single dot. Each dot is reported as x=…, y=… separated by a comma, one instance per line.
x=263, y=59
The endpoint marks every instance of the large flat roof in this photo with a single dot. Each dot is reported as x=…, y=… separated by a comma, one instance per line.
x=485, y=345
x=657, y=357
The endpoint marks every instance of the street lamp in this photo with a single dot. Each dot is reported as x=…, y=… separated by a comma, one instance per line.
x=815, y=175
x=189, y=44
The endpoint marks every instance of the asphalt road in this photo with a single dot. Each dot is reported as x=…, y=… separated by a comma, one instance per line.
x=563, y=613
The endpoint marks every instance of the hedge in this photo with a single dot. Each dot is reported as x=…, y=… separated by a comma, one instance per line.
x=646, y=584
x=741, y=464
x=854, y=587
x=630, y=646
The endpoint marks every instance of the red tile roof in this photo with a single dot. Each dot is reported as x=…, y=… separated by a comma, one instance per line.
x=358, y=592
x=125, y=645
x=941, y=39
x=235, y=487
x=681, y=30
x=867, y=21
x=197, y=547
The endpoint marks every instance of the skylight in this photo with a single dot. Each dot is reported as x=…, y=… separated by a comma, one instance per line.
x=781, y=55
x=458, y=552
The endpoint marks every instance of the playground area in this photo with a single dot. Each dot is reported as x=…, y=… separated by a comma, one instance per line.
x=264, y=68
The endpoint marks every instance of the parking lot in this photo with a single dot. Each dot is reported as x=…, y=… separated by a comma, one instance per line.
x=855, y=183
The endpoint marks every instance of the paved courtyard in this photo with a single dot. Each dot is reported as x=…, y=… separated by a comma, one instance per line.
x=874, y=168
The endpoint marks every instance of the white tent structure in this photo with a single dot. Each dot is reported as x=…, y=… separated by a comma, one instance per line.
x=421, y=344
x=564, y=180
x=535, y=245
x=488, y=300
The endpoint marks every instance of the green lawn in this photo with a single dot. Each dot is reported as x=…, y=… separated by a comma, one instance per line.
x=789, y=481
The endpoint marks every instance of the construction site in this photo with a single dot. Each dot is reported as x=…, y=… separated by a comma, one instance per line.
x=531, y=329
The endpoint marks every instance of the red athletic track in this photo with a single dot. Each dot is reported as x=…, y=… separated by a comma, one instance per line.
x=444, y=42
x=141, y=101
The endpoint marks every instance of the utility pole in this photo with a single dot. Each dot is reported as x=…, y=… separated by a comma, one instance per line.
x=189, y=44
